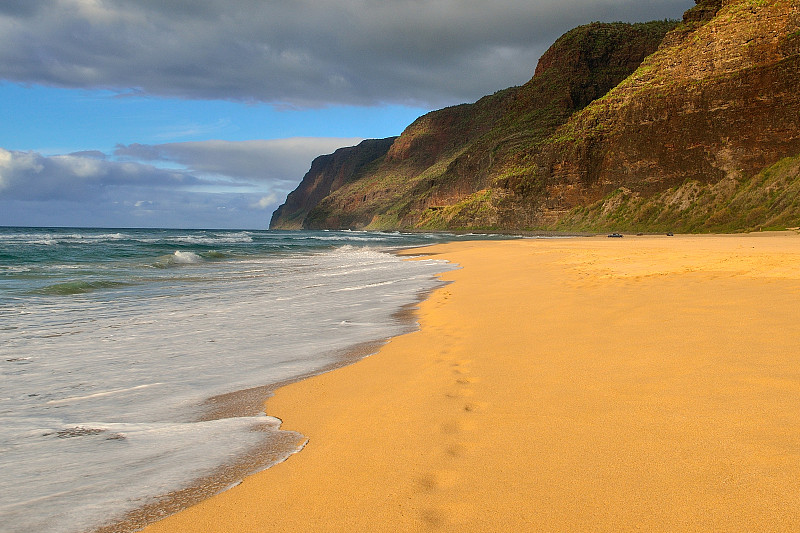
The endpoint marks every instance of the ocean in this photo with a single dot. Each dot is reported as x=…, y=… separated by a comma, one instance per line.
x=123, y=353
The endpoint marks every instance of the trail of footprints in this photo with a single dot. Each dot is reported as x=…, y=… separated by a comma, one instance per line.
x=457, y=444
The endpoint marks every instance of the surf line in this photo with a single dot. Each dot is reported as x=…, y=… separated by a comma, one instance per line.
x=100, y=394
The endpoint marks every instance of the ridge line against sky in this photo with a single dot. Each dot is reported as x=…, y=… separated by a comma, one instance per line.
x=202, y=113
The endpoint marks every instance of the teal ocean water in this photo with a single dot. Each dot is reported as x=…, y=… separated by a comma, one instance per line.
x=113, y=341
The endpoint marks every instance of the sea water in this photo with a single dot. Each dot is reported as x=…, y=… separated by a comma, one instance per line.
x=112, y=342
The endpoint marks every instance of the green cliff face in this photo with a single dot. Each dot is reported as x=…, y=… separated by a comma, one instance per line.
x=644, y=127
x=329, y=173
x=714, y=106
x=767, y=200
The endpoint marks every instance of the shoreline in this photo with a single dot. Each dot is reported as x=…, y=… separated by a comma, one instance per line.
x=277, y=447
x=648, y=382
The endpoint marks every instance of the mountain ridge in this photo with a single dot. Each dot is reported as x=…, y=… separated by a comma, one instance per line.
x=615, y=119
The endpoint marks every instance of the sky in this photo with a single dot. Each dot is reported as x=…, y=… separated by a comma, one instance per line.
x=206, y=113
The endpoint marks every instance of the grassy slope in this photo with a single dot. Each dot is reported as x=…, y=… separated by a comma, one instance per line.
x=564, y=153
x=717, y=191
x=444, y=171
x=768, y=200
x=582, y=65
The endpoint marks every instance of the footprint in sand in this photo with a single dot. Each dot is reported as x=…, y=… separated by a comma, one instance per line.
x=460, y=449
x=461, y=392
x=454, y=427
x=434, y=518
x=475, y=407
x=448, y=515
x=439, y=479
x=461, y=366
x=461, y=369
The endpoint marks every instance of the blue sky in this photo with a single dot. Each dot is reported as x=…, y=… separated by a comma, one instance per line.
x=99, y=120
x=203, y=113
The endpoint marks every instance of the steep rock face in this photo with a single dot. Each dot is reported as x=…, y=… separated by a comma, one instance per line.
x=414, y=161
x=391, y=167
x=602, y=138
x=446, y=157
x=717, y=103
x=327, y=174
x=768, y=200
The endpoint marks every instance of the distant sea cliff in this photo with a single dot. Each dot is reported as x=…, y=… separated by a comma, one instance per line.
x=689, y=125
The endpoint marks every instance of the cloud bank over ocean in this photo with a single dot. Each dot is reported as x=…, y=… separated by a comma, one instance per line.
x=233, y=183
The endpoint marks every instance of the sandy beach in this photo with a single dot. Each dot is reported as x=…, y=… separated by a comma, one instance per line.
x=591, y=384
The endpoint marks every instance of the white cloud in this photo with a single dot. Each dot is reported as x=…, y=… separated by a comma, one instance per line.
x=257, y=161
x=221, y=184
x=266, y=202
x=32, y=176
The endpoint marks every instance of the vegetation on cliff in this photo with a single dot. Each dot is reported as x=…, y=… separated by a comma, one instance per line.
x=647, y=127
x=328, y=173
x=768, y=200
x=714, y=106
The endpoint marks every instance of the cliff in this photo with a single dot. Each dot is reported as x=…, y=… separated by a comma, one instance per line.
x=629, y=127
x=327, y=174
x=675, y=143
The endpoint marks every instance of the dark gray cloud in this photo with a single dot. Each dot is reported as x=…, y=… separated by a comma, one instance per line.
x=258, y=161
x=211, y=184
x=299, y=52
x=20, y=7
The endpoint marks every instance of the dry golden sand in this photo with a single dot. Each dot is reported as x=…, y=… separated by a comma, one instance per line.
x=592, y=384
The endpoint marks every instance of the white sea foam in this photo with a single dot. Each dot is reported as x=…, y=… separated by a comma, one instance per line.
x=101, y=394
x=101, y=390
x=213, y=240
x=366, y=286
x=185, y=258
x=177, y=258
x=79, y=492
x=106, y=236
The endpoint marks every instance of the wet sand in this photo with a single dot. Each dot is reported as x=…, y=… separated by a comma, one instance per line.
x=276, y=447
x=588, y=384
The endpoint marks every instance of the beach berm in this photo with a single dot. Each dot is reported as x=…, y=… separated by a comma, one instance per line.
x=589, y=384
